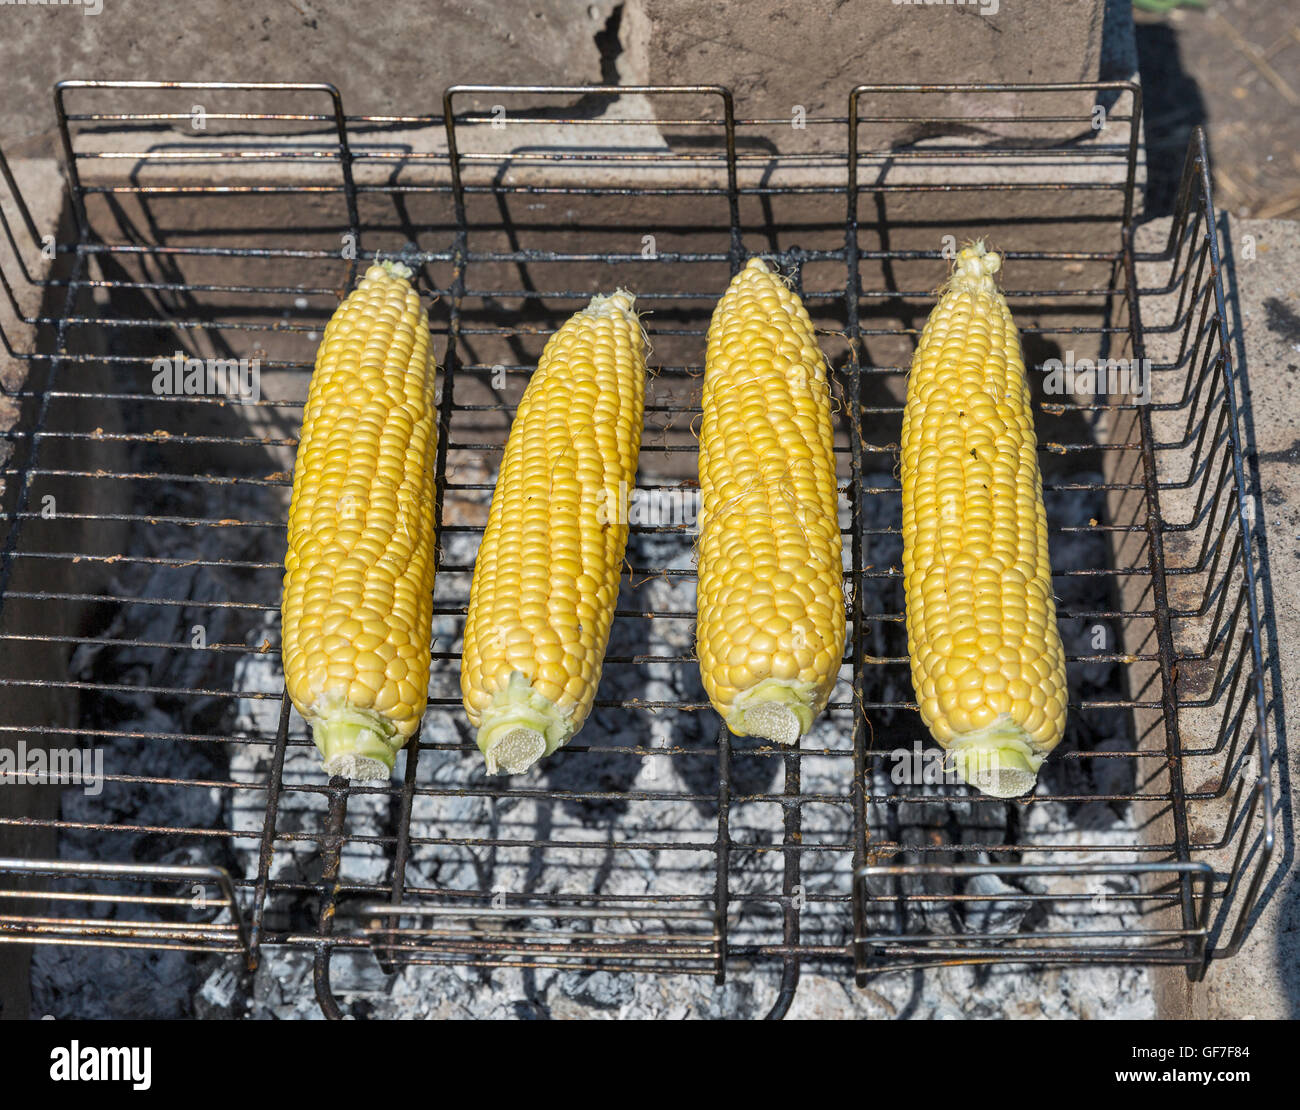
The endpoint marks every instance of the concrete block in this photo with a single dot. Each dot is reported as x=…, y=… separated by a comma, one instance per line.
x=386, y=59
x=779, y=57
x=1263, y=300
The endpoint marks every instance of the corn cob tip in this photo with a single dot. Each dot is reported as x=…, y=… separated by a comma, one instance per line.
x=391, y=268
x=999, y=760
x=514, y=751
x=757, y=263
x=776, y=709
x=355, y=743
x=357, y=768
x=606, y=304
x=773, y=721
x=520, y=727
x=975, y=266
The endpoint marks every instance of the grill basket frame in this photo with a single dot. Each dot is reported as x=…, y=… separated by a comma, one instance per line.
x=1195, y=908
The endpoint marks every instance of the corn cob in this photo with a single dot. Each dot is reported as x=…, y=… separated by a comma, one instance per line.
x=358, y=584
x=987, y=663
x=770, y=631
x=547, y=572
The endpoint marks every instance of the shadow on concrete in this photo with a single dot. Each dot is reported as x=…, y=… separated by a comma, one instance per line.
x=1172, y=107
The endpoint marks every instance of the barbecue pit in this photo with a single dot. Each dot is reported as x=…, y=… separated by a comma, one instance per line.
x=225, y=220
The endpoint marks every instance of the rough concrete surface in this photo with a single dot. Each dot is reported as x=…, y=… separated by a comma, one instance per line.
x=385, y=58
x=1263, y=301
x=1264, y=310
x=812, y=54
x=396, y=58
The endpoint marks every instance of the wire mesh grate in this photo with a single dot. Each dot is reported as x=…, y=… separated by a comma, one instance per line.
x=225, y=221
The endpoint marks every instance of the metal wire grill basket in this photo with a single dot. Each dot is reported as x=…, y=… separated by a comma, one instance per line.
x=226, y=220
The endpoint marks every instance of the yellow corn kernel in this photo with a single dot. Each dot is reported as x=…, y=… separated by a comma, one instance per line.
x=547, y=572
x=357, y=614
x=988, y=667
x=770, y=632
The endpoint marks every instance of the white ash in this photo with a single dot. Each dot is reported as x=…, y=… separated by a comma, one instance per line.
x=441, y=991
